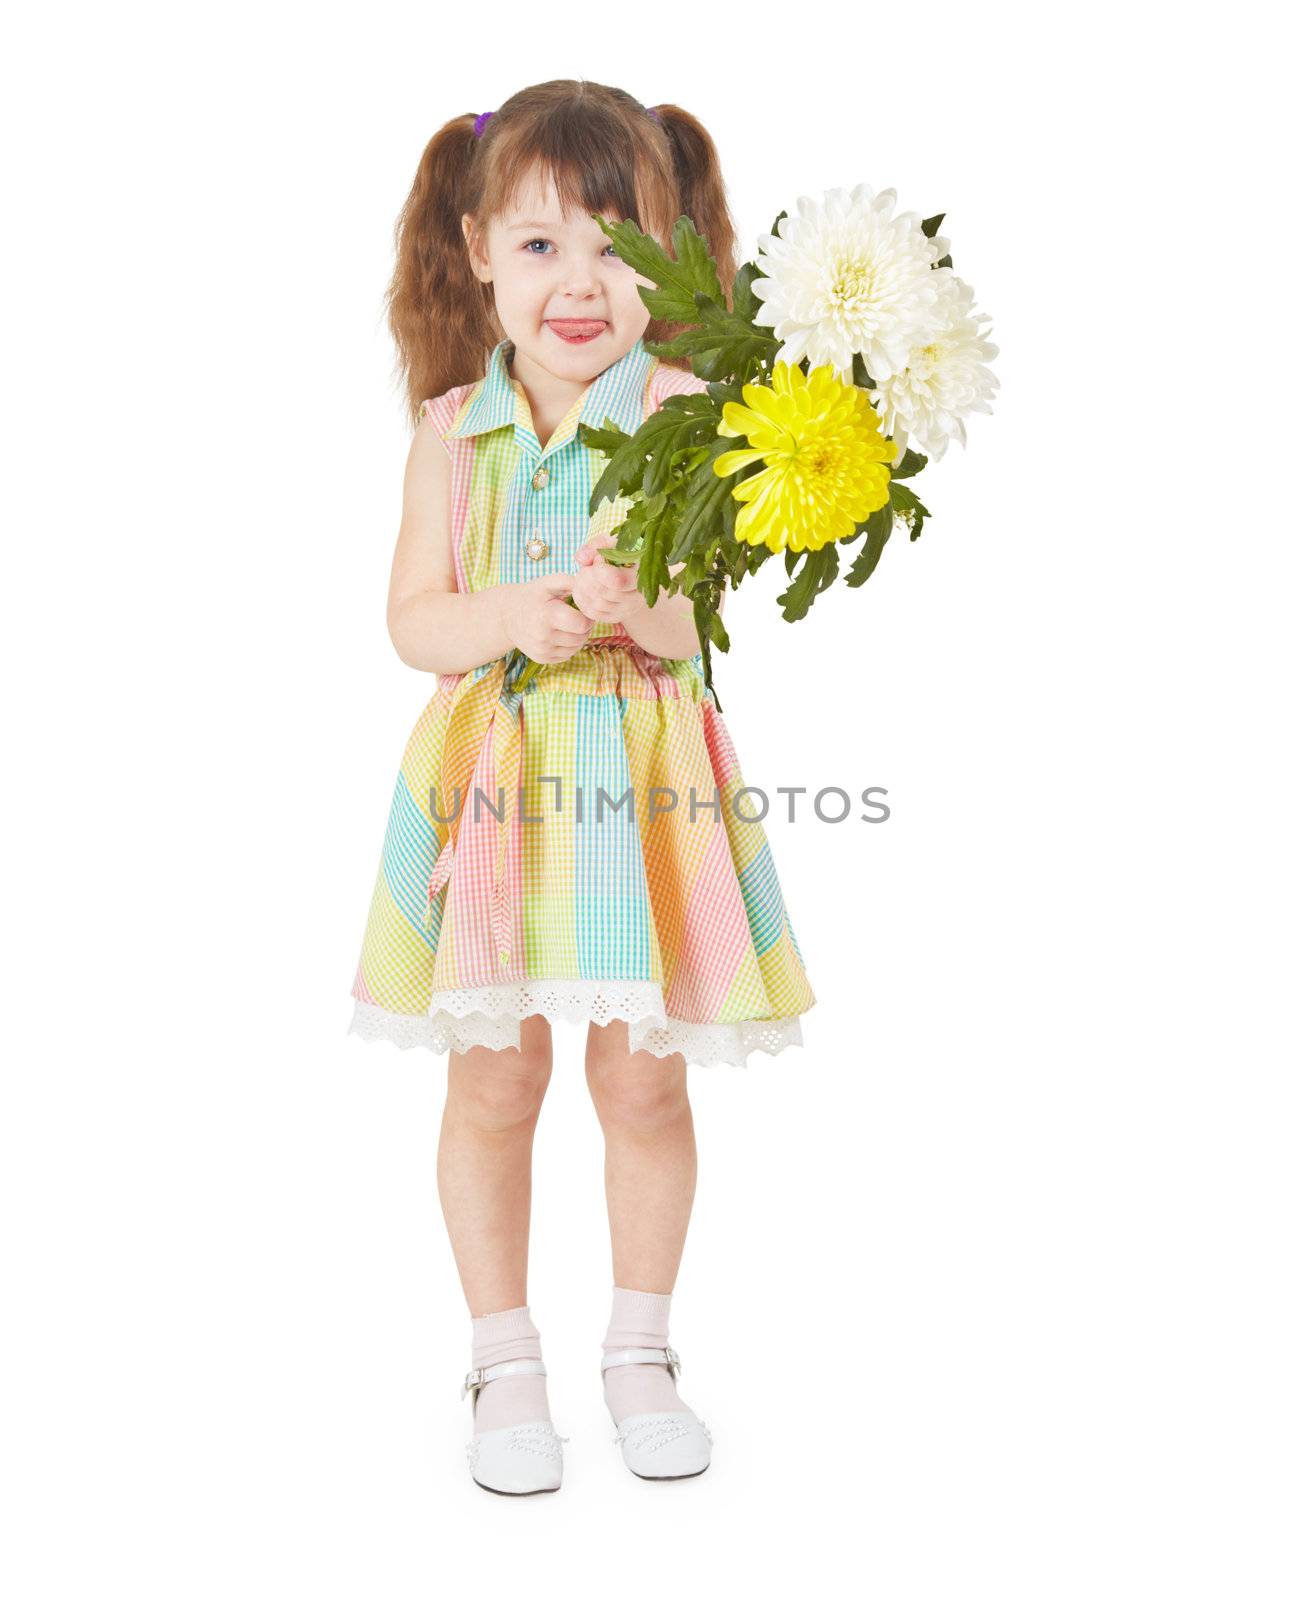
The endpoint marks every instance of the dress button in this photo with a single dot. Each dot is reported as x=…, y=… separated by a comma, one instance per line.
x=541, y=478
x=536, y=547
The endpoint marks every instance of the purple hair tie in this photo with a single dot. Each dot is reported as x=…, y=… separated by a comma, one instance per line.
x=653, y=113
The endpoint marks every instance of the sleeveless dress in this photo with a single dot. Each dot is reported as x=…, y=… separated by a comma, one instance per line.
x=570, y=840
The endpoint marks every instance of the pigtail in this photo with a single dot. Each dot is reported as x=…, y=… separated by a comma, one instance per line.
x=442, y=318
x=702, y=196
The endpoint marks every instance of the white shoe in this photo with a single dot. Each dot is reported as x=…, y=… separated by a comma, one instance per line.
x=524, y=1458
x=660, y=1444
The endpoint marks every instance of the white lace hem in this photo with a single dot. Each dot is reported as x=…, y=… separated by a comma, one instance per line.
x=459, y=1019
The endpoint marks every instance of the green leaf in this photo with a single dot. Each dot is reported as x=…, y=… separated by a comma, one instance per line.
x=860, y=377
x=742, y=560
x=757, y=556
x=709, y=497
x=647, y=460
x=624, y=470
x=909, y=465
x=742, y=295
x=693, y=573
x=654, y=567
x=720, y=394
x=679, y=279
x=706, y=609
x=819, y=568
x=720, y=345
x=711, y=632
x=907, y=501
x=877, y=528
x=930, y=229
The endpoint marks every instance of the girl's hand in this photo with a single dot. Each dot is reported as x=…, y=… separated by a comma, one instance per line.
x=603, y=592
x=539, y=620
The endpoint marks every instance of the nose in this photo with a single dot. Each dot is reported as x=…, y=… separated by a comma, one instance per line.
x=580, y=278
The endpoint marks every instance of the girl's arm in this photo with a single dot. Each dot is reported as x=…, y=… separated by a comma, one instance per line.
x=434, y=626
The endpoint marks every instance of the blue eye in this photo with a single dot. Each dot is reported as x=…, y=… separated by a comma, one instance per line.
x=531, y=242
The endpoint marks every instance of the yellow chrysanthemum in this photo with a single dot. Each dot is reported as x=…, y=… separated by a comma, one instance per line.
x=825, y=459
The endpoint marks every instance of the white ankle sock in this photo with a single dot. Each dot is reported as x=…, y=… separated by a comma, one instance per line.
x=639, y=1319
x=522, y=1396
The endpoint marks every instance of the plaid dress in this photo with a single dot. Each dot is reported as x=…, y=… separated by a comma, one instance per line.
x=570, y=843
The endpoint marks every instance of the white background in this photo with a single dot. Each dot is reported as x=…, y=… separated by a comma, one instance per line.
x=999, y=1285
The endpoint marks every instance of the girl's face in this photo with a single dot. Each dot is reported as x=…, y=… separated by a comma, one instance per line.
x=564, y=297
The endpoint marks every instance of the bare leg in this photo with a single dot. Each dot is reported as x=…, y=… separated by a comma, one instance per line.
x=651, y=1155
x=484, y=1164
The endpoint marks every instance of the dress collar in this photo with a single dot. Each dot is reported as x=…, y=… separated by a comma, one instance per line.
x=499, y=401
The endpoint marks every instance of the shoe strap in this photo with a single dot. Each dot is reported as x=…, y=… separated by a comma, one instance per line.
x=476, y=1377
x=663, y=1357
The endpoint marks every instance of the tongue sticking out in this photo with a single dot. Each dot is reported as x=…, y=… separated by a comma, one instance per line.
x=575, y=330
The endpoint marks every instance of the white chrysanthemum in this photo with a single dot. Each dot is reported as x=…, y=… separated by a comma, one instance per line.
x=846, y=277
x=944, y=378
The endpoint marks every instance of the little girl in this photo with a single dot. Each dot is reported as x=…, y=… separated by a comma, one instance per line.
x=566, y=839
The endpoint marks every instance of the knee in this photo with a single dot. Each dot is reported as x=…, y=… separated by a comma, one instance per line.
x=497, y=1096
x=641, y=1093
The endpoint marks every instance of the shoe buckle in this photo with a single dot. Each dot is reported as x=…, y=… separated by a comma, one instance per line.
x=473, y=1380
x=672, y=1360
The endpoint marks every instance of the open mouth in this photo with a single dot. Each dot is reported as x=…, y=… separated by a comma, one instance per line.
x=576, y=330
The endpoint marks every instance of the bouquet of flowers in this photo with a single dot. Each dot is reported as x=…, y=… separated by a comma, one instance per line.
x=848, y=340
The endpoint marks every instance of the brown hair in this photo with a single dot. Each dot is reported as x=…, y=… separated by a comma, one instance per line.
x=604, y=152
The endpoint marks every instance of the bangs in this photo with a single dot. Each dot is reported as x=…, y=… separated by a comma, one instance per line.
x=594, y=162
